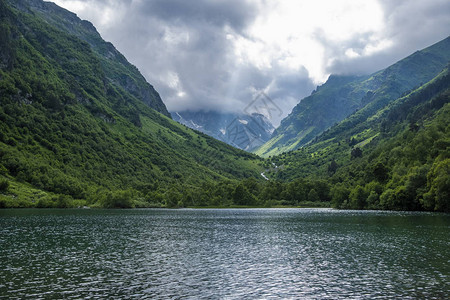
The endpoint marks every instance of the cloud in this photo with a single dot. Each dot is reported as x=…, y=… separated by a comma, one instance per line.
x=218, y=54
x=233, y=13
x=408, y=26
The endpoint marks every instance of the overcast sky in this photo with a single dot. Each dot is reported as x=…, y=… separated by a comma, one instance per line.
x=219, y=54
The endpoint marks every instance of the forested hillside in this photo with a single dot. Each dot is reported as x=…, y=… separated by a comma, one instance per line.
x=397, y=157
x=340, y=96
x=79, y=124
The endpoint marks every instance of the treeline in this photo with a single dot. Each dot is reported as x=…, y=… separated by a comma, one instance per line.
x=251, y=192
x=246, y=193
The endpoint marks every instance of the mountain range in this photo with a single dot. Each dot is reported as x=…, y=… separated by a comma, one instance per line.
x=243, y=131
x=80, y=126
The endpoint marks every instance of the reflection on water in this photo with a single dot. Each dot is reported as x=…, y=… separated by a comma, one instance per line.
x=251, y=253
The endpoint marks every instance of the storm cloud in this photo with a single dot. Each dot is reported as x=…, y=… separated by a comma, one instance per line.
x=218, y=55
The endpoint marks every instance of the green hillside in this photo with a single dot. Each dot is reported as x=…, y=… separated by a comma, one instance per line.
x=340, y=96
x=79, y=126
x=397, y=157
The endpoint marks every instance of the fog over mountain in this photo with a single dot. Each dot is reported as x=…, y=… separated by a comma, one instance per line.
x=218, y=55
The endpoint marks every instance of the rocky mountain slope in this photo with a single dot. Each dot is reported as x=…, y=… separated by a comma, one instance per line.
x=246, y=132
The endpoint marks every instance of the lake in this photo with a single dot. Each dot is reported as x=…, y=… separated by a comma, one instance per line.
x=223, y=253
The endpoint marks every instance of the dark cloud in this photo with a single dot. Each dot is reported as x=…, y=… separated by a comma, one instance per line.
x=185, y=48
x=234, y=13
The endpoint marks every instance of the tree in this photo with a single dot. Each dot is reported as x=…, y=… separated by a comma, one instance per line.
x=295, y=191
x=173, y=198
x=118, y=199
x=52, y=101
x=313, y=196
x=380, y=172
x=242, y=196
x=339, y=194
x=272, y=190
x=358, y=197
x=322, y=189
x=332, y=167
x=416, y=186
x=373, y=200
x=438, y=196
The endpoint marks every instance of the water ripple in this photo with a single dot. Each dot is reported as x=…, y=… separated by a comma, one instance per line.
x=217, y=254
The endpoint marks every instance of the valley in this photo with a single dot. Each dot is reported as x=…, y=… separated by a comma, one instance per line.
x=80, y=126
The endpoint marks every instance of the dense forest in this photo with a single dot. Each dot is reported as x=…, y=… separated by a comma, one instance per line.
x=79, y=126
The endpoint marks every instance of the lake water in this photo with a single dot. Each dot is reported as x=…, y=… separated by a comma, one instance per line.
x=227, y=253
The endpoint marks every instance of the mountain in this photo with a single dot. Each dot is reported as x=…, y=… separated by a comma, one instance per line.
x=117, y=70
x=246, y=132
x=393, y=153
x=341, y=96
x=396, y=157
x=81, y=126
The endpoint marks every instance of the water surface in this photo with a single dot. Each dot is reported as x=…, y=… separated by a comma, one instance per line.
x=226, y=253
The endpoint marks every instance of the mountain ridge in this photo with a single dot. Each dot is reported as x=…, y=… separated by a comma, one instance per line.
x=72, y=133
x=125, y=74
x=396, y=159
x=342, y=95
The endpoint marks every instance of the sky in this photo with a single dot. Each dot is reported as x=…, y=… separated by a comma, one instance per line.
x=222, y=54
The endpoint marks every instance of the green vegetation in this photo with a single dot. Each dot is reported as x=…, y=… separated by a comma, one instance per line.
x=79, y=126
x=397, y=158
